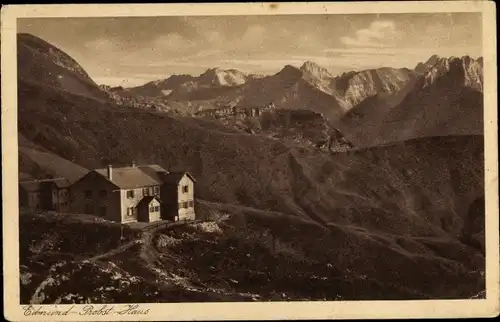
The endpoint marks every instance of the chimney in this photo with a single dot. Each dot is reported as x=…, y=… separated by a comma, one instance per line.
x=110, y=172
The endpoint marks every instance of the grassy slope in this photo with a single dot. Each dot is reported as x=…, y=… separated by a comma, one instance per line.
x=49, y=164
x=420, y=180
x=405, y=202
x=44, y=64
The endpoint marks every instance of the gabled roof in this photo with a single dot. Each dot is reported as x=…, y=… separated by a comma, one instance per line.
x=154, y=171
x=134, y=176
x=142, y=176
x=35, y=185
x=175, y=177
x=146, y=200
x=30, y=186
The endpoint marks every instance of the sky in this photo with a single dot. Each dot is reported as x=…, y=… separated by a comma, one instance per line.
x=131, y=51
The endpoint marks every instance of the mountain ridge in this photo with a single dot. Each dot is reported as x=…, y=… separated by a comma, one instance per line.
x=37, y=60
x=445, y=99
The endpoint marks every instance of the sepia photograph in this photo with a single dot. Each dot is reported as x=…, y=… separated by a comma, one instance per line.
x=264, y=157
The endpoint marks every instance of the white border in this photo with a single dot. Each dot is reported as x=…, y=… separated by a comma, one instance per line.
x=252, y=311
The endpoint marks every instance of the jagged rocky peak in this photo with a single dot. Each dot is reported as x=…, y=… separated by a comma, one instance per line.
x=222, y=77
x=465, y=69
x=353, y=88
x=315, y=69
x=318, y=76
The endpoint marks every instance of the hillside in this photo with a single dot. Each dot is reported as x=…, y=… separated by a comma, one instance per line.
x=253, y=170
x=383, y=222
x=46, y=65
x=419, y=189
x=259, y=256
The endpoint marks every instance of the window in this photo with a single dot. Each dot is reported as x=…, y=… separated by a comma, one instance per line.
x=156, y=190
x=184, y=205
x=131, y=212
x=157, y=208
x=102, y=211
x=130, y=194
x=151, y=209
x=145, y=191
x=185, y=189
x=102, y=193
x=88, y=193
x=191, y=203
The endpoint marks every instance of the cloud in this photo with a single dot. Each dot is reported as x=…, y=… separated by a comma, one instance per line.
x=101, y=45
x=172, y=41
x=380, y=33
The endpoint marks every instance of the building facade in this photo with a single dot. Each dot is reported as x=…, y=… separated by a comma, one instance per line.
x=48, y=194
x=135, y=193
x=178, y=197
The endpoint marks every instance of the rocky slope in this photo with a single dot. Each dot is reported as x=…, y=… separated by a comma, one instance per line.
x=318, y=76
x=466, y=69
x=437, y=66
x=298, y=127
x=354, y=88
x=445, y=99
x=123, y=97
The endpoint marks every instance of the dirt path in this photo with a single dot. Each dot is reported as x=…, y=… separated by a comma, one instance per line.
x=115, y=251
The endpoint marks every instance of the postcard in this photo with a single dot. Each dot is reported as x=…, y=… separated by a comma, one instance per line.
x=250, y=161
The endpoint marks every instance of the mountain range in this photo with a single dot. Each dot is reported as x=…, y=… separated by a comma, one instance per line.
x=392, y=219
x=442, y=96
